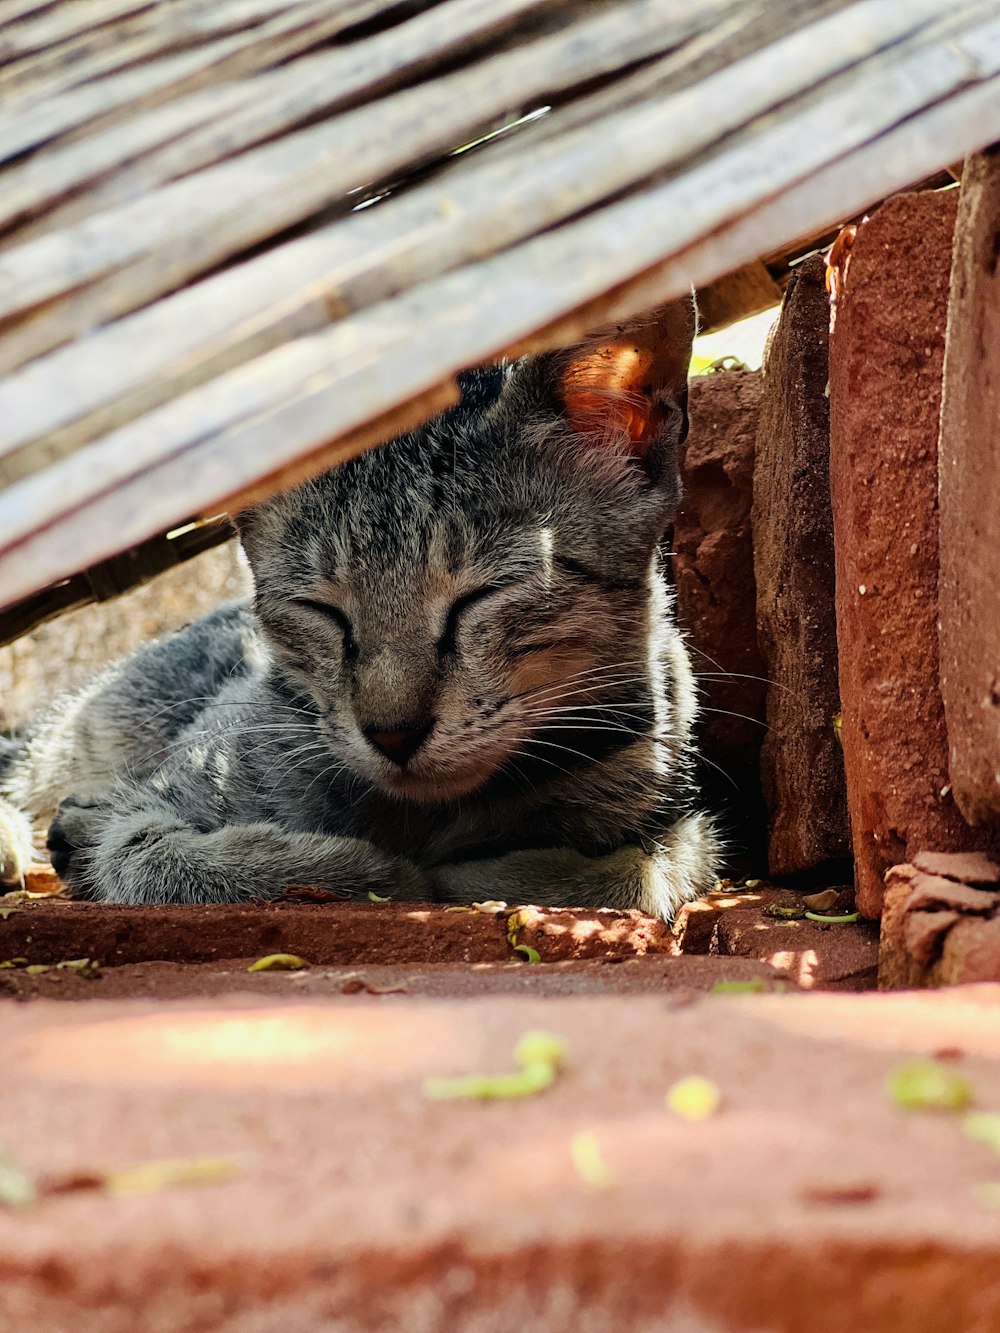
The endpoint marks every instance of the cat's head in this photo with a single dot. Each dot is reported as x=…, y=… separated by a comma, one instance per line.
x=456, y=597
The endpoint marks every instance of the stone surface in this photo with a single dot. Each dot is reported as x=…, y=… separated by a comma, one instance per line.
x=810, y=1200
x=969, y=468
x=886, y=359
x=938, y=931
x=713, y=567
x=802, y=766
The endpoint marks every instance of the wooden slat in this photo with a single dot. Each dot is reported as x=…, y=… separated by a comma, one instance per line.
x=62, y=22
x=121, y=573
x=511, y=294
x=109, y=100
x=251, y=111
x=749, y=291
x=151, y=31
x=128, y=367
x=155, y=243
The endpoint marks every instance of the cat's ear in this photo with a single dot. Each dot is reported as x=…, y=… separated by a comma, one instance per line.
x=628, y=384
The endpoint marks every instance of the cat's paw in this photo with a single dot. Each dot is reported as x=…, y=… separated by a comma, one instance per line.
x=15, y=847
x=74, y=830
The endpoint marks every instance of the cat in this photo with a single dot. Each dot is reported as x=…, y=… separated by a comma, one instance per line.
x=460, y=678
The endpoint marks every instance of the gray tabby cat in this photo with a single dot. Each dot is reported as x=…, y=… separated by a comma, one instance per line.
x=461, y=678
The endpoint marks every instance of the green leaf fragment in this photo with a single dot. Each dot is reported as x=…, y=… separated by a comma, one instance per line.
x=531, y=955
x=928, y=1085
x=538, y=1056
x=14, y=962
x=983, y=1127
x=754, y=987
x=694, y=1098
x=36, y=969
x=589, y=1163
x=17, y=1189
x=278, y=962
x=377, y=898
x=538, y=1047
x=847, y=919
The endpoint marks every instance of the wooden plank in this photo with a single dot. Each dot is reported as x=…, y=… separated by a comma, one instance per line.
x=389, y=354
x=62, y=22
x=748, y=291
x=155, y=243
x=126, y=368
x=246, y=113
x=109, y=100
x=151, y=31
x=119, y=574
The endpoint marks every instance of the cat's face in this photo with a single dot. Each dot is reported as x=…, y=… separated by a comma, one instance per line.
x=459, y=602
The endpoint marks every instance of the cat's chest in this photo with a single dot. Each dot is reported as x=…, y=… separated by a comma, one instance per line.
x=431, y=835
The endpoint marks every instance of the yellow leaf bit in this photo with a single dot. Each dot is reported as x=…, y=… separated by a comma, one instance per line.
x=278, y=962
x=694, y=1098
x=589, y=1163
x=377, y=898
x=149, y=1177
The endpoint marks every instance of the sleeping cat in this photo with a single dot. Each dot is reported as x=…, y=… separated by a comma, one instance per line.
x=460, y=679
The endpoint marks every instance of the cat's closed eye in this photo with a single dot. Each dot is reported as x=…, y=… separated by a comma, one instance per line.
x=334, y=613
x=446, y=643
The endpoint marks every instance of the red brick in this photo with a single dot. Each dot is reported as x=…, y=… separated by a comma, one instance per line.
x=809, y=1201
x=802, y=766
x=885, y=380
x=970, y=500
x=713, y=563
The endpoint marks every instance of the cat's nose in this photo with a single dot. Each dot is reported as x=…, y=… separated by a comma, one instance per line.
x=399, y=743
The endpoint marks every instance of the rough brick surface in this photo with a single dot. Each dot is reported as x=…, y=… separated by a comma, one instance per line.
x=802, y=766
x=809, y=1201
x=716, y=596
x=970, y=500
x=885, y=380
x=936, y=929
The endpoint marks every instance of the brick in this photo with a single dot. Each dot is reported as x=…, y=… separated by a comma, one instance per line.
x=801, y=762
x=809, y=1200
x=716, y=596
x=887, y=353
x=937, y=931
x=970, y=500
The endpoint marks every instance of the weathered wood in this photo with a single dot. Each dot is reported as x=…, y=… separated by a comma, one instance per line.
x=147, y=33
x=846, y=187
x=192, y=223
x=748, y=291
x=367, y=255
x=164, y=144
x=61, y=22
x=154, y=82
x=378, y=356
x=119, y=574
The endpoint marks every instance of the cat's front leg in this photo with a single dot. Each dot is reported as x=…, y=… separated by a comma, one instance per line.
x=149, y=854
x=656, y=878
x=15, y=846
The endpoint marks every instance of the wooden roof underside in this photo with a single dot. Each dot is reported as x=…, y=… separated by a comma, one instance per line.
x=194, y=311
